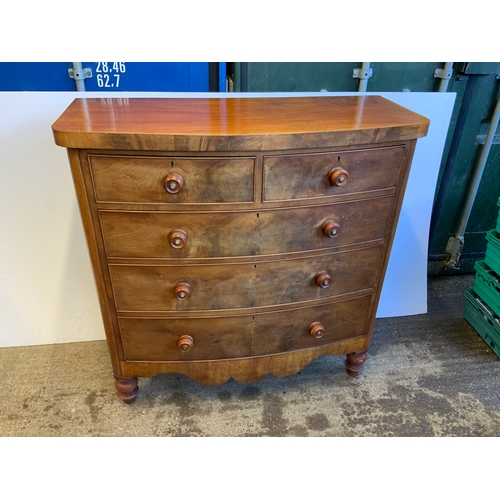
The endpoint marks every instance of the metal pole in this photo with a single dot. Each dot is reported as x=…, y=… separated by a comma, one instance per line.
x=456, y=242
x=445, y=79
x=480, y=168
x=79, y=76
x=363, y=77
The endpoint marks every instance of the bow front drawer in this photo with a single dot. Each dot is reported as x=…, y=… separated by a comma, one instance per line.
x=210, y=338
x=162, y=288
x=245, y=233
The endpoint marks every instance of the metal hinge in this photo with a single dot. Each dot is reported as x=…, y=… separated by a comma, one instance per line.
x=85, y=73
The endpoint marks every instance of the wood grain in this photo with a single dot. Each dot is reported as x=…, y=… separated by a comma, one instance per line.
x=244, y=370
x=141, y=288
x=156, y=339
x=229, y=124
x=307, y=175
x=255, y=258
x=229, y=234
x=133, y=179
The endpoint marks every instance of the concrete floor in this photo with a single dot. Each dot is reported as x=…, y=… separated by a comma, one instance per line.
x=426, y=375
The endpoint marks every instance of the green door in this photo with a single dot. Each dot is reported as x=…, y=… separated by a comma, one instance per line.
x=477, y=88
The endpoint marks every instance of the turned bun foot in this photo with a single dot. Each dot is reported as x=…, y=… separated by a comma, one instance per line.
x=354, y=363
x=126, y=390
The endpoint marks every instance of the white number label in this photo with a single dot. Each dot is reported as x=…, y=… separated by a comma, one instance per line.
x=108, y=74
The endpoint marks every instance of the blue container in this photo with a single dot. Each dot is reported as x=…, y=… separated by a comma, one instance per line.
x=110, y=76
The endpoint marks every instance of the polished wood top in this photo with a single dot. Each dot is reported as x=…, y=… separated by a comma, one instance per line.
x=234, y=124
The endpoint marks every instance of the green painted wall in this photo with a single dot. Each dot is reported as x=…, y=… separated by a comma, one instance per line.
x=476, y=98
x=338, y=77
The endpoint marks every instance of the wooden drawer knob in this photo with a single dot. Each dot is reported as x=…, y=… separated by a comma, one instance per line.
x=178, y=238
x=173, y=183
x=323, y=279
x=331, y=228
x=182, y=291
x=185, y=343
x=338, y=176
x=316, y=329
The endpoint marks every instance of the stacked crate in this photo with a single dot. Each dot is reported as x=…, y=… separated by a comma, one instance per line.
x=482, y=308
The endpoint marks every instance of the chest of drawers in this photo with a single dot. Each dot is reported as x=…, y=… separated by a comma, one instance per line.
x=237, y=237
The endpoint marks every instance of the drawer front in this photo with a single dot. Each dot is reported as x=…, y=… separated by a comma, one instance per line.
x=228, y=234
x=213, y=338
x=130, y=179
x=314, y=176
x=152, y=339
x=289, y=331
x=232, y=286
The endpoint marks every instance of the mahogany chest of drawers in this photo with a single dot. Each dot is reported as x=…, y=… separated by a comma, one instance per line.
x=237, y=237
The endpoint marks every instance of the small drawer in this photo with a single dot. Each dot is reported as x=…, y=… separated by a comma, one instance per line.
x=141, y=179
x=233, y=286
x=231, y=234
x=290, y=177
x=212, y=338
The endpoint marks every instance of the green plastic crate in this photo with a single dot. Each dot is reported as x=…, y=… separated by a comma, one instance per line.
x=498, y=220
x=492, y=257
x=487, y=286
x=483, y=320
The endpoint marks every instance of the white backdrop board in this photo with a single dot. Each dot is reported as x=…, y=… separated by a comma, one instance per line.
x=47, y=291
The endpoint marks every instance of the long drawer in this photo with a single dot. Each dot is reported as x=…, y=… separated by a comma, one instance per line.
x=162, y=288
x=144, y=179
x=319, y=175
x=188, y=339
x=227, y=234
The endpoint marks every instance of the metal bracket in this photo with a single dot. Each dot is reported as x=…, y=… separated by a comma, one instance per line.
x=454, y=249
x=86, y=73
x=356, y=73
x=444, y=75
x=481, y=139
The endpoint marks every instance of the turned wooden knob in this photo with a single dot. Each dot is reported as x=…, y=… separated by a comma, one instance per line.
x=185, y=343
x=316, y=329
x=338, y=176
x=331, y=228
x=173, y=183
x=323, y=279
x=178, y=238
x=182, y=291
